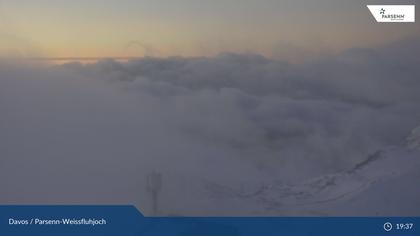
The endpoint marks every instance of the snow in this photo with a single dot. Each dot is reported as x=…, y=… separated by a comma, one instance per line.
x=413, y=141
x=386, y=180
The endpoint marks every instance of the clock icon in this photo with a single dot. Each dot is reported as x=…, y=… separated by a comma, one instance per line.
x=387, y=226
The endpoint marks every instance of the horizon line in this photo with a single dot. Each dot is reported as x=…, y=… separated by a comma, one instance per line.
x=78, y=58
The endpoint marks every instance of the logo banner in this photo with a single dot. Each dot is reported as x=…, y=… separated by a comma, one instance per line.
x=393, y=13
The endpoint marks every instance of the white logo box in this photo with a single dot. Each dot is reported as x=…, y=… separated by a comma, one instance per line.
x=393, y=13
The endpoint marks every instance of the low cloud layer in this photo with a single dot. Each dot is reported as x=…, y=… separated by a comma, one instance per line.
x=91, y=133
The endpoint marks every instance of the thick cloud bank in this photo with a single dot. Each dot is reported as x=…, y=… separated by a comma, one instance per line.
x=91, y=133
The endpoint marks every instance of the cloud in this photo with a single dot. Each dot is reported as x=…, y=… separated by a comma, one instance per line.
x=91, y=133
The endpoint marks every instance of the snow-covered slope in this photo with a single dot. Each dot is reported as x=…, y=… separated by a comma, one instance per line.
x=385, y=183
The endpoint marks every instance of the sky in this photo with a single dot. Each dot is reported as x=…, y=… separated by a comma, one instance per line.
x=283, y=29
x=208, y=104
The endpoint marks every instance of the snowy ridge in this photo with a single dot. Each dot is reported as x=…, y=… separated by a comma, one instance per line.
x=284, y=198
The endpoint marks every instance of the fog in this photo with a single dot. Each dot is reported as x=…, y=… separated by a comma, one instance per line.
x=91, y=133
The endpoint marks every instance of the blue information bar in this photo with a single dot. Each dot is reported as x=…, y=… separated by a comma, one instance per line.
x=127, y=220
